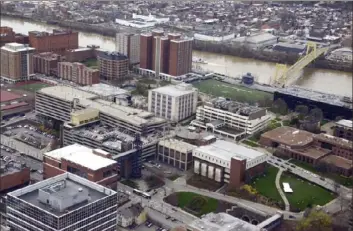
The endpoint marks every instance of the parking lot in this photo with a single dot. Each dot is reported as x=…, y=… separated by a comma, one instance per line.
x=36, y=166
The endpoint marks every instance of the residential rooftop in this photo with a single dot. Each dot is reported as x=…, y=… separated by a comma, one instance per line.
x=81, y=155
x=222, y=222
x=63, y=186
x=228, y=150
x=175, y=90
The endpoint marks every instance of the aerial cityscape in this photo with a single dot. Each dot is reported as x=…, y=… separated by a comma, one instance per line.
x=176, y=115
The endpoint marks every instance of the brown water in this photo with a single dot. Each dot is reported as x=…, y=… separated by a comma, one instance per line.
x=329, y=81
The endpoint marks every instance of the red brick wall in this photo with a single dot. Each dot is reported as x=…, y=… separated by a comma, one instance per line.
x=237, y=173
x=256, y=170
x=146, y=52
x=15, y=179
x=51, y=171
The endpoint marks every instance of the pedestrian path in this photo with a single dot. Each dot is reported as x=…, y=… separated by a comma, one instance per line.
x=279, y=189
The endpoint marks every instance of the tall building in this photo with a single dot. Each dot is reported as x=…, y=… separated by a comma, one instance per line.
x=180, y=57
x=59, y=41
x=146, y=51
x=46, y=63
x=169, y=54
x=16, y=62
x=78, y=73
x=64, y=202
x=173, y=102
x=129, y=45
x=113, y=66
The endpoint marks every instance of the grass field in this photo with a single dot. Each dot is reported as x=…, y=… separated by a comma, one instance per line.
x=234, y=92
x=92, y=63
x=345, y=181
x=185, y=199
x=33, y=87
x=266, y=185
x=304, y=193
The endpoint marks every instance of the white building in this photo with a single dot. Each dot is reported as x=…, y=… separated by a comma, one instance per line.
x=173, y=102
x=135, y=23
x=129, y=45
x=150, y=17
x=257, y=41
x=213, y=38
x=220, y=113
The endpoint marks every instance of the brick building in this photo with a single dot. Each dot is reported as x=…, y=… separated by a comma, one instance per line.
x=169, y=54
x=80, y=54
x=343, y=129
x=113, y=65
x=46, y=63
x=13, y=175
x=7, y=35
x=92, y=164
x=16, y=62
x=322, y=149
x=227, y=162
x=78, y=73
x=59, y=41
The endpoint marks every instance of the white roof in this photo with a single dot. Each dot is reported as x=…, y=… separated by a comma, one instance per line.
x=177, y=145
x=175, y=90
x=258, y=38
x=228, y=150
x=345, y=123
x=104, y=89
x=80, y=155
x=16, y=47
x=128, y=114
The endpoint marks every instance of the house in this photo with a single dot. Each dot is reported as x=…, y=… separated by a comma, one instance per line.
x=135, y=214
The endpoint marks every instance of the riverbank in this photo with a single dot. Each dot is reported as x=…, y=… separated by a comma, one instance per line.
x=219, y=48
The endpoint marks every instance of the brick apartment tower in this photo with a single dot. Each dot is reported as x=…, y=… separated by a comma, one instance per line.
x=59, y=41
x=172, y=54
x=146, y=51
x=78, y=73
x=129, y=45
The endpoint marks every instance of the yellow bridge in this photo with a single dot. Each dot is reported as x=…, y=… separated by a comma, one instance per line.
x=283, y=74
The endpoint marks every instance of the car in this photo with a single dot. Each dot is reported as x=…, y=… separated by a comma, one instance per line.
x=33, y=170
x=173, y=219
x=159, y=229
x=8, y=150
x=149, y=225
x=167, y=217
x=174, y=209
x=40, y=171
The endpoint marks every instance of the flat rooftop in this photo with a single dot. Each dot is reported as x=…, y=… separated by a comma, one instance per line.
x=86, y=99
x=222, y=222
x=233, y=106
x=335, y=140
x=314, y=152
x=345, y=123
x=82, y=156
x=17, y=47
x=104, y=90
x=8, y=96
x=10, y=168
x=228, y=150
x=175, y=90
x=289, y=136
x=338, y=161
x=177, y=145
x=73, y=182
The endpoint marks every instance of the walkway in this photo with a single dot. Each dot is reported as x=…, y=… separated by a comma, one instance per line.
x=279, y=189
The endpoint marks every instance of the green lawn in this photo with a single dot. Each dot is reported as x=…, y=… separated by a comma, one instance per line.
x=345, y=181
x=130, y=183
x=266, y=185
x=304, y=193
x=234, y=92
x=33, y=87
x=92, y=63
x=250, y=143
x=185, y=200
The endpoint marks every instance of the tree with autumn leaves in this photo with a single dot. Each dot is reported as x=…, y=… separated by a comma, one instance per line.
x=315, y=221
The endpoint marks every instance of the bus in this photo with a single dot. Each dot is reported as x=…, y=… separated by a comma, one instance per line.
x=143, y=194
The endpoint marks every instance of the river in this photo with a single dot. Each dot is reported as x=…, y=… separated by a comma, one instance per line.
x=329, y=81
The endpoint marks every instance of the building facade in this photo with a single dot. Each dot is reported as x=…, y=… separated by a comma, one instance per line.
x=226, y=162
x=13, y=175
x=113, y=66
x=16, y=62
x=129, y=45
x=146, y=51
x=344, y=129
x=173, y=102
x=78, y=73
x=65, y=202
x=223, y=116
x=46, y=63
x=180, y=57
x=59, y=41
x=7, y=35
x=175, y=153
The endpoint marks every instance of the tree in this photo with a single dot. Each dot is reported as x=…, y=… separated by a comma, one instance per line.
x=302, y=110
x=316, y=221
x=316, y=114
x=280, y=106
